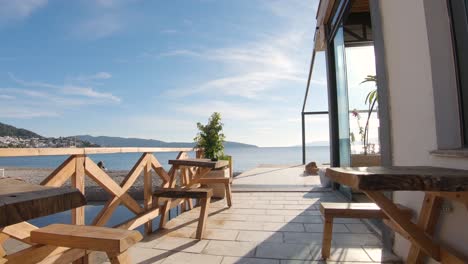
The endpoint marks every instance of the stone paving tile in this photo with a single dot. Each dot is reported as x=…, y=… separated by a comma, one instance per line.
x=318, y=228
x=358, y=228
x=341, y=239
x=284, y=227
x=230, y=248
x=309, y=219
x=191, y=258
x=236, y=260
x=381, y=255
x=284, y=250
x=180, y=244
x=304, y=238
x=235, y=225
x=346, y=221
x=300, y=206
x=260, y=236
x=266, y=218
x=284, y=202
x=349, y=254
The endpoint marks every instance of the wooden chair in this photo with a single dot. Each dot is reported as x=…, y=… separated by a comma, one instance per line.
x=348, y=210
x=115, y=242
x=202, y=194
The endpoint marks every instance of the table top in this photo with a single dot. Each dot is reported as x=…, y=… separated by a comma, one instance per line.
x=21, y=201
x=203, y=163
x=401, y=178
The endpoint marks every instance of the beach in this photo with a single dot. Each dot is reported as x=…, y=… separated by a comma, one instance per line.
x=93, y=191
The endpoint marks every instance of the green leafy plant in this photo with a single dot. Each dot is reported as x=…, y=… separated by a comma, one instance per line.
x=211, y=138
x=371, y=100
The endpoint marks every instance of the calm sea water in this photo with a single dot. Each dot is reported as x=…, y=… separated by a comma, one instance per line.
x=244, y=158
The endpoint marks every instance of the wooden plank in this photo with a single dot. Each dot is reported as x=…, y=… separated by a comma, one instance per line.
x=101, y=178
x=45, y=254
x=415, y=178
x=183, y=193
x=20, y=231
x=21, y=201
x=61, y=174
x=148, y=193
x=358, y=210
x=78, y=181
x=139, y=220
x=202, y=163
x=26, y=152
x=404, y=224
x=427, y=221
x=86, y=237
x=159, y=169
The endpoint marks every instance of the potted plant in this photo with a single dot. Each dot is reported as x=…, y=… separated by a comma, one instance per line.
x=210, y=138
x=369, y=156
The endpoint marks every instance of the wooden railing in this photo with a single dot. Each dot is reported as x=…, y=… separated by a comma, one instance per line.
x=78, y=166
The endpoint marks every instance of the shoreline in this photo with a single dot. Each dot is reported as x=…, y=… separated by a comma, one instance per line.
x=93, y=192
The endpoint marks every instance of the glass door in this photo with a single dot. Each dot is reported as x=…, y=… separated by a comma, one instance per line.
x=342, y=98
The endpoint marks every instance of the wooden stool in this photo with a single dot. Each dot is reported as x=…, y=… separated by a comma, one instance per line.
x=348, y=210
x=114, y=242
x=227, y=186
x=203, y=194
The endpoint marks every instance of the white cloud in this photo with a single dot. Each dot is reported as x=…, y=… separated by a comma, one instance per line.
x=6, y=97
x=70, y=89
x=229, y=111
x=24, y=112
x=16, y=10
x=98, y=27
x=93, y=77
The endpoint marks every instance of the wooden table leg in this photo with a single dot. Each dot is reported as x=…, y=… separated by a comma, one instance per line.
x=119, y=258
x=327, y=237
x=427, y=221
x=414, y=233
x=204, y=203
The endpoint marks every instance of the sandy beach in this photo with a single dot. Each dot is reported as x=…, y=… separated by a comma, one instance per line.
x=93, y=191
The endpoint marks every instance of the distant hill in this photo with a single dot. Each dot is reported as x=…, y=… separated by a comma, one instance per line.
x=105, y=141
x=11, y=131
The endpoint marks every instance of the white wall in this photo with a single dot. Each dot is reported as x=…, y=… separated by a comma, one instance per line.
x=412, y=109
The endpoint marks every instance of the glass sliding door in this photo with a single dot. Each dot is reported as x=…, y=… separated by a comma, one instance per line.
x=342, y=98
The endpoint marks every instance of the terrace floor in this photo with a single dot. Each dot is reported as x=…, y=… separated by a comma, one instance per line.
x=262, y=227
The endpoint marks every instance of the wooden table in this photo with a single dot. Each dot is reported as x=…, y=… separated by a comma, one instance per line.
x=437, y=183
x=204, y=166
x=21, y=201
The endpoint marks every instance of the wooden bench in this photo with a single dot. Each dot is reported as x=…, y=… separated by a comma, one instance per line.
x=115, y=242
x=202, y=194
x=227, y=186
x=348, y=210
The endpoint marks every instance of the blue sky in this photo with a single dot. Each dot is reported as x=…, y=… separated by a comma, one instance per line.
x=152, y=69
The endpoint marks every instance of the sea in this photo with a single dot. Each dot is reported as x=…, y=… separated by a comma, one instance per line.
x=243, y=158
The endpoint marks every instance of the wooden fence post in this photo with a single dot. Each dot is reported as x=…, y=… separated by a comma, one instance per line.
x=148, y=193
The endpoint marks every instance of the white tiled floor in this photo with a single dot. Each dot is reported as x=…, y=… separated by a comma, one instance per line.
x=274, y=233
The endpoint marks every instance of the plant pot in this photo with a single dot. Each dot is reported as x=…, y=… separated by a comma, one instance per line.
x=218, y=188
x=365, y=160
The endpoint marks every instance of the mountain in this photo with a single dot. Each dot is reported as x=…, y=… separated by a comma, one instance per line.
x=139, y=142
x=11, y=131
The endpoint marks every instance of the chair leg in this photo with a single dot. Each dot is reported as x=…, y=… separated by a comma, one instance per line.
x=227, y=186
x=327, y=237
x=119, y=258
x=205, y=203
x=164, y=213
